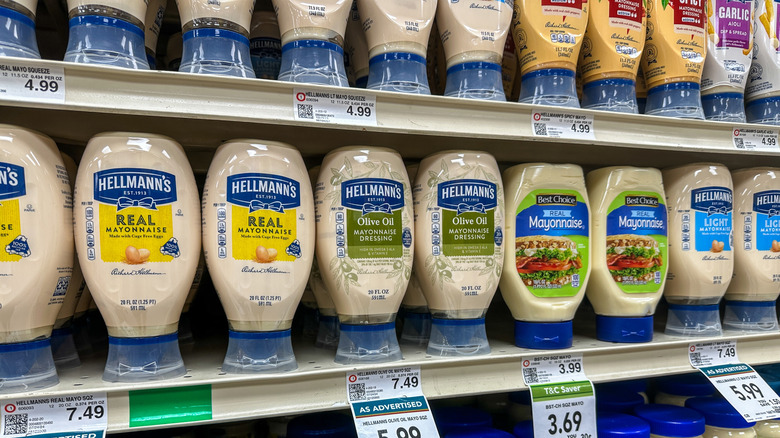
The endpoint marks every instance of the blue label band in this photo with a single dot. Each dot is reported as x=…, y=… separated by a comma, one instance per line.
x=259, y=335
x=397, y=56
x=25, y=346
x=152, y=340
x=12, y=183
x=261, y=191
x=215, y=33
x=548, y=72
x=98, y=20
x=18, y=16
x=474, y=66
x=467, y=195
x=367, y=327
x=609, y=82
x=675, y=86
x=132, y=187
x=371, y=195
x=315, y=44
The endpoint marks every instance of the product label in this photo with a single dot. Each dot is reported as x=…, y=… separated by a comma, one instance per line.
x=764, y=76
x=28, y=81
x=136, y=216
x=626, y=14
x=13, y=245
x=72, y=416
x=729, y=32
x=552, y=243
x=688, y=15
x=264, y=217
x=614, y=50
x=732, y=23
x=766, y=206
x=373, y=223
x=637, y=248
x=266, y=56
x=467, y=208
x=563, y=8
x=712, y=221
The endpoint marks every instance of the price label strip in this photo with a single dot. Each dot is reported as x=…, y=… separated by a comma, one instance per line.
x=747, y=392
x=561, y=124
x=389, y=403
x=28, y=81
x=562, y=398
x=754, y=139
x=72, y=416
x=346, y=108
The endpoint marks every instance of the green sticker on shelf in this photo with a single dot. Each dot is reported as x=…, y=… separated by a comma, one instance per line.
x=151, y=407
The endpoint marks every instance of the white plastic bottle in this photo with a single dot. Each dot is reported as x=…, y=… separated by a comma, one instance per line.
x=137, y=229
x=36, y=255
x=258, y=238
x=17, y=35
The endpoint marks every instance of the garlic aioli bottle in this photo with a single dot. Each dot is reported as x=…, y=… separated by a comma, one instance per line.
x=546, y=271
x=357, y=49
x=762, y=93
x=629, y=255
x=459, y=226
x=265, y=45
x=138, y=240
x=258, y=234
x=699, y=200
x=473, y=34
x=107, y=32
x=36, y=255
x=216, y=37
x=17, y=35
x=755, y=286
x=397, y=33
x=363, y=203
x=313, y=40
x=155, y=12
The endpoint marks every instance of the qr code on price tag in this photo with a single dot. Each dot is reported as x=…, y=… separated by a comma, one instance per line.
x=15, y=424
x=357, y=391
x=530, y=375
x=305, y=111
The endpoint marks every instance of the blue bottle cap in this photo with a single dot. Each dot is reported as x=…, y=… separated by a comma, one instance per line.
x=693, y=320
x=143, y=359
x=451, y=418
x=680, y=99
x=17, y=34
x=671, y=421
x=611, y=400
x=313, y=62
x=398, y=71
x=416, y=327
x=328, y=332
x=686, y=385
x=217, y=52
x=478, y=432
x=550, y=86
x=475, y=80
x=718, y=412
x=616, y=425
x=617, y=95
x=26, y=366
x=96, y=39
x=724, y=107
x=63, y=348
x=763, y=111
x=543, y=335
x=321, y=425
x=750, y=316
x=369, y=343
x=624, y=329
x=259, y=352
x=458, y=337
x=524, y=429
x=633, y=385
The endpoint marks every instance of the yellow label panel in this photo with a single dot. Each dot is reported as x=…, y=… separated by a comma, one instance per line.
x=134, y=235
x=268, y=229
x=10, y=228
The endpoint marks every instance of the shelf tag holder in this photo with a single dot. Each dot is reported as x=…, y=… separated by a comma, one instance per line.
x=747, y=392
x=53, y=416
x=344, y=107
x=389, y=403
x=562, y=397
x=28, y=81
x=562, y=124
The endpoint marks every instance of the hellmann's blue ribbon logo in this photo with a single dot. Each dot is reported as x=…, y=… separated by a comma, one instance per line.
x=712, y=200
x=767, y=203
x=134, y=187
x=467, y=195
x=125, y=202
x=12, y=184
x=371, y=208
x=262, y=191
x=372, y=195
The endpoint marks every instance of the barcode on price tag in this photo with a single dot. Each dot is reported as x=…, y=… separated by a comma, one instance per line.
x=84, y=415
x=754, y=139
x=347, y=108
x=546, y=369
x=28, y=81
x=562, y=124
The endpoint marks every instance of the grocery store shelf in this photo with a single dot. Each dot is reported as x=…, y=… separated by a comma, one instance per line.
x=201, y=111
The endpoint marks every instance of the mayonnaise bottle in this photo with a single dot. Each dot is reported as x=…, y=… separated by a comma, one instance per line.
x=629, y=251
x=185, y=321
x=313, y=40
x=668, y=421
x=548, y=36
x=107, y=32
x=17, y=35
x=673, y=58
x=755, y=286
x=357, y=49
x=138, y=239
x=762, y=93
x=546, y=272
x=699, y=200
x=216, y=37
x=363, y=204
x=265, y=45
x=768, y=429
x=473, y=34
x=729, y=54
x=721, y=420
x=397, y=33
x=610, y=55
x=173, y=52
x=676, y=390
x=155, y=12
x=36, y=255
x=459, y=226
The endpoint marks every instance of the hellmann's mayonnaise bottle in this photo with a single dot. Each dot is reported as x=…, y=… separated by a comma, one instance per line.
x=137, y=229
x=36, y=255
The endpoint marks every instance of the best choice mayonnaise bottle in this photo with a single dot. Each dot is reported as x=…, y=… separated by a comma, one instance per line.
x=699, y=198
x=629, y=251
x=762, y=93
x=547, y=269
x=36, y=255
x=755, y=286
x=138, y=239
x=363, y=203
x=459, y=226
x=258, y=238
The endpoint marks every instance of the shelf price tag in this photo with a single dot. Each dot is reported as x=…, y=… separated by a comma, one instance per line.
x=342, y=107
x=754, y=139
x=71, y=416
x=29, y=81
x=747, y=392
x=561, y=124
x=562, y=398
x=389, y=403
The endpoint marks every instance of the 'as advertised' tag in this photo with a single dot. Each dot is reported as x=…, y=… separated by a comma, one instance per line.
x=82, y=416
x=343, y=107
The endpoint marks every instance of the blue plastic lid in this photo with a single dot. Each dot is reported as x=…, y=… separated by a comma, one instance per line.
x=612, y=400
x=618, y=95
x=259, y=352
x=633, y=385
x=687, y=385
x=758, y=316
x=718, y=412
x=452, y=418
x=671, y=421
x=26, y=366
x=458, y=337
x=543, y=335
x=680, y=99
x=616, y=425
x=693, y=320
x=624, y=329
x=764, y=111
x=368, y=343
x=143, y=359
x=724, y=107
x=478, y=432
x=475, y=80
x=550, y=86
x=209, y=32
x=321, y=425
x=316, y=44
x=524, y=429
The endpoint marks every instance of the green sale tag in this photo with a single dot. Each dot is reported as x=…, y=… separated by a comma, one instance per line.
x=150, y=407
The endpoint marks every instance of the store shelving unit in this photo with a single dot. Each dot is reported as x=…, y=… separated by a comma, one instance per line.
x=203, y=111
